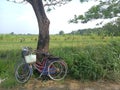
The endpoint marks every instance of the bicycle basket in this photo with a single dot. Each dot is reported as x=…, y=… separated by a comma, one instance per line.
x=30, y=58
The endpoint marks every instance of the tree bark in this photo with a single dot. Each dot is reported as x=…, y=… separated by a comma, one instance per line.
x=43, y=24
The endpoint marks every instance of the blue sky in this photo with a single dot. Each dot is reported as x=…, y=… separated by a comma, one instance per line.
x=20, y=18
x=11, y=18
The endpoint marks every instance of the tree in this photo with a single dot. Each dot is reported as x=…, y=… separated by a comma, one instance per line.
x=104, y=10
x=43, y=21
x=12, y=33
x=112, y=29
x=61, y=32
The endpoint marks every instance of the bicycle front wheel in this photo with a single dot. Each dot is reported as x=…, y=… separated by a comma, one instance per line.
x=22, y=73
x=57, y=70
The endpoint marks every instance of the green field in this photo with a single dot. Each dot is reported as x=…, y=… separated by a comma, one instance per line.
x=88, y=57
x=9, y=42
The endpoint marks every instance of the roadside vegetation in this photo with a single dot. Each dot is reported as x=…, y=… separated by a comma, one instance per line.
x=89, y=57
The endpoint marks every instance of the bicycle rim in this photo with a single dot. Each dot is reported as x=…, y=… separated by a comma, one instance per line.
x=22, y=73
x=57, y=70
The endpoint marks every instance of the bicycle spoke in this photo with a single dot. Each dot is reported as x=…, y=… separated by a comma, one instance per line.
x=57, y=70
x=22, y=73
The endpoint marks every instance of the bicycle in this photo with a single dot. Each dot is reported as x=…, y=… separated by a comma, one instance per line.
x=53, y=67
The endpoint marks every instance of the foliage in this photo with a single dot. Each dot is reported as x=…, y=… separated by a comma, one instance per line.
x=61, y=32
x=105, y=9
x=109, y=29
x=94, y=63
x=8, y=59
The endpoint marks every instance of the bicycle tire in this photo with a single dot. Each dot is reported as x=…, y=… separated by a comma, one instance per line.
x=22, y=72
x=57, y=70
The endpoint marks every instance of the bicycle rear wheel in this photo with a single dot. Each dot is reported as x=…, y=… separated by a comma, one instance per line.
x=57, y=70
x=22, y=73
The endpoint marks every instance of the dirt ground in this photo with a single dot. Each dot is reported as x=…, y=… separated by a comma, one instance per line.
x=67, y=85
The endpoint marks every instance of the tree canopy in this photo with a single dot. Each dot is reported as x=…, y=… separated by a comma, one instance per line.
x=109, y=29
x=104, y=10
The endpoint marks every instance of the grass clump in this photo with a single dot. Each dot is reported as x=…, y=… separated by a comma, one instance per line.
x=92, y=62
x=7, y=66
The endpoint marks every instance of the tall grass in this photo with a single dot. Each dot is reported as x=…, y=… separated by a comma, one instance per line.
x=88, y=57
x=8, y=59
x=92, y=62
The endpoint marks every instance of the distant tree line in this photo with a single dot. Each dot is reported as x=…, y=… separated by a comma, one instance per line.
x=110, y=29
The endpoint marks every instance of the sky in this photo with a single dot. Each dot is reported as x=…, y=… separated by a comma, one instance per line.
x=20, y=18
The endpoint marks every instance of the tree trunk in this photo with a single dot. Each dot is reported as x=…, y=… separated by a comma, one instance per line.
x=43, y=24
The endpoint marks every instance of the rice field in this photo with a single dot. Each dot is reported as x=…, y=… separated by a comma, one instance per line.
x=9, y=42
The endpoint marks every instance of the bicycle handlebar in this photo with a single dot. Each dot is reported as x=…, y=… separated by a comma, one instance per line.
x=30, y=51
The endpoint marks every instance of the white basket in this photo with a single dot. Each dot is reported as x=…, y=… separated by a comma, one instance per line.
x=30, y=58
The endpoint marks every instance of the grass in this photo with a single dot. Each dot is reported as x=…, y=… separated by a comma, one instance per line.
x=88, y=57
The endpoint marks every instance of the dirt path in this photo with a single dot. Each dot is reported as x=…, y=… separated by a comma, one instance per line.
x=67, y=85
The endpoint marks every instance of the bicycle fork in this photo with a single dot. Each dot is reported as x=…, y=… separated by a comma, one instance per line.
x=31, y=69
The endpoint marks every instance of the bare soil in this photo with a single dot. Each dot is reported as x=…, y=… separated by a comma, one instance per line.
x=67, y=85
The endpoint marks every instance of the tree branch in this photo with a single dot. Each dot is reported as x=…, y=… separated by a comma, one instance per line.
x=47, y=2
x=17, y=1
x=55, y=2
x=30, y=1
